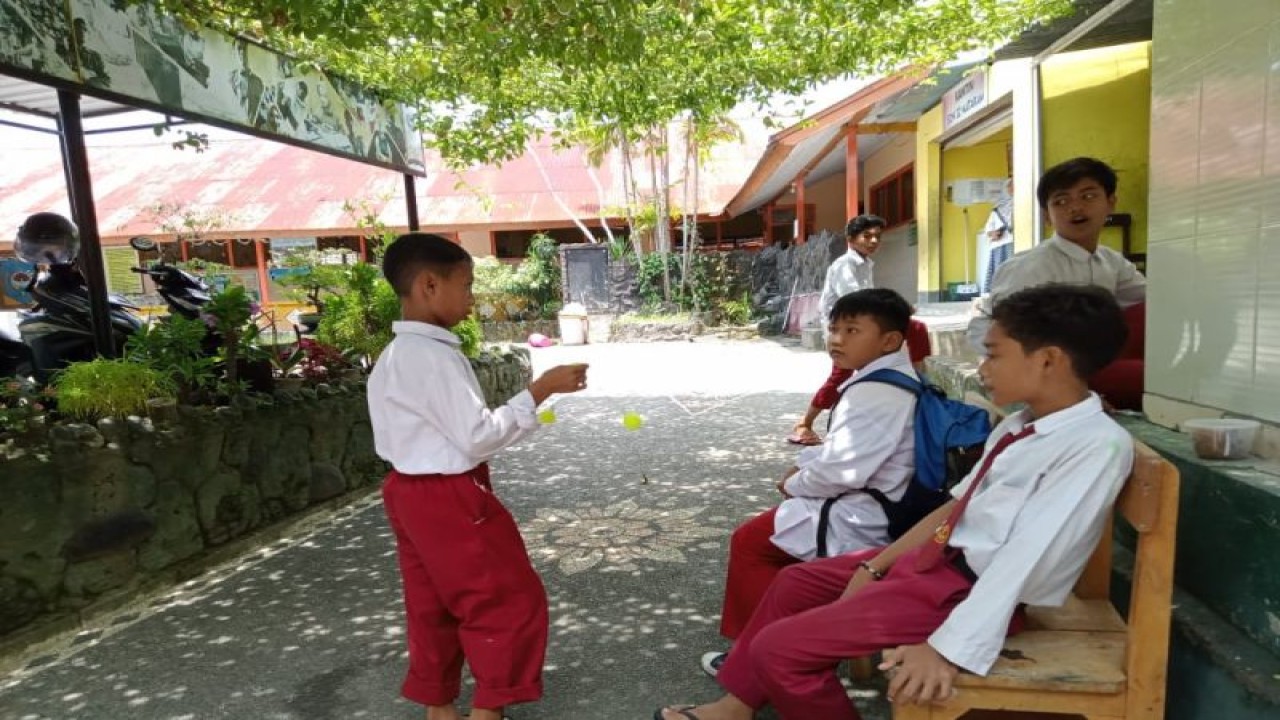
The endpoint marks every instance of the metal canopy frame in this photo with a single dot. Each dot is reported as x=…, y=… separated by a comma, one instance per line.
x=17, y=94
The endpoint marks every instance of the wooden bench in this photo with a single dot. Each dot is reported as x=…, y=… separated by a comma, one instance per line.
x=1083, y=658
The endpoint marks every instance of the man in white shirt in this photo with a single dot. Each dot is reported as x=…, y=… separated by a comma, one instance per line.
x=944, y=596
x=1078, y=196
x=470, y=591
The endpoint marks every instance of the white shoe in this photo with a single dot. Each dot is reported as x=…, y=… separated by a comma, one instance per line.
x=711, y=661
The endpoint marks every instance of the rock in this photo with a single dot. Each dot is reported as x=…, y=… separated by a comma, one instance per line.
x=177, y=535
x=327, y=481
x=20, y=602
x=106, y=535
x=98, y=575
x=219, y=507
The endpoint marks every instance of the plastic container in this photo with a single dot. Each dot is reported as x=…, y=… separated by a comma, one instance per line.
x=1222, y=438
x=573, y=324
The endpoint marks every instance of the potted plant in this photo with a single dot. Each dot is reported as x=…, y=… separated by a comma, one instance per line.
x=103, y=388
x=285, y=360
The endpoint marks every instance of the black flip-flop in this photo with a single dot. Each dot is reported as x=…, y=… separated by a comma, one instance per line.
x=686, y=711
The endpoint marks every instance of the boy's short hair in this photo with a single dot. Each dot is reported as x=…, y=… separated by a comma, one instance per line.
x=411, y=253
x=1065, y=174
x=1084, y=320
x=861, y=223
x=889, y=309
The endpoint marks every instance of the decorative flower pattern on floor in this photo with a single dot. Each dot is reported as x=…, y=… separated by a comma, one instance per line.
x=580, y=538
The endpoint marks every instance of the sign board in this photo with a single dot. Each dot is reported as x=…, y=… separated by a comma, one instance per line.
x=966, y=98
x=586, y=274
x=133, y=54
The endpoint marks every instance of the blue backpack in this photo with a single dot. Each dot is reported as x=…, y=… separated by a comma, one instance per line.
x=949, y=436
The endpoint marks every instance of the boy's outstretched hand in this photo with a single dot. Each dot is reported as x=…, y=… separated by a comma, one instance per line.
x=559, y=379
x=918, y=674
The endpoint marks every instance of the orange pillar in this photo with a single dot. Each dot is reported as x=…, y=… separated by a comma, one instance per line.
x=800, y=210
x=719, y=230
x=768, y=224
x=852, y=182
x=183, y=251
x=364, y=249
x=264, y=282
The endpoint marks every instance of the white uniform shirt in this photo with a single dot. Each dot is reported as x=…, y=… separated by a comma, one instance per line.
x=1060, y=261
x=848, y=273
x=427, y=409
x=871, y=444
x=1031, y=526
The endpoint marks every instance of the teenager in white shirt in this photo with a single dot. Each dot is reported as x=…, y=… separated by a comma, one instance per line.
x=470, y=591
x=1078, y=196
x=944, y=596
x=870, y=445
x=853, y=271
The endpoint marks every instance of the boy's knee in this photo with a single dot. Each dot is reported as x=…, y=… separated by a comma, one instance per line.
x=773, y=650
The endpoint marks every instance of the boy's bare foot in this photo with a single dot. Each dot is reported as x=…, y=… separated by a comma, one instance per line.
x=483, y=714
x=726, y=708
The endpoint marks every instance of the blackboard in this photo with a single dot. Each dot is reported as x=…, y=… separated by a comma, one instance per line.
x=586, y=274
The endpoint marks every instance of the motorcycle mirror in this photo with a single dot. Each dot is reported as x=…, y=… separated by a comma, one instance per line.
x=142, y=244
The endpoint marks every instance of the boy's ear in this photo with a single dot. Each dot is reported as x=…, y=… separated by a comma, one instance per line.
x=891, y=341
x=1056, y=357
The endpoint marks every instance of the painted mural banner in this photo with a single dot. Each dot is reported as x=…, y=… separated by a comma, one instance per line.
x=136, y=54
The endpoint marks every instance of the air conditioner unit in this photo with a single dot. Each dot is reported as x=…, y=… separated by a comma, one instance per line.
x=971, y=191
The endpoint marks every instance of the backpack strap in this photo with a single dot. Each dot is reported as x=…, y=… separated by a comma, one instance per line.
x=888, y=376
x=824, y=525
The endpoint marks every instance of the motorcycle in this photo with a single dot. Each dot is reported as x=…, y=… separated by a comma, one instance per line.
x=15, y=356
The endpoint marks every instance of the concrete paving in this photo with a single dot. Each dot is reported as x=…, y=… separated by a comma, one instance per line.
x=628, y=528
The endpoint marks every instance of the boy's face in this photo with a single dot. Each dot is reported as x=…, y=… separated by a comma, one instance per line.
x=866, y=242
x=1010, y=373
x=855, y=342
x=1078, y=213
x=448, y=297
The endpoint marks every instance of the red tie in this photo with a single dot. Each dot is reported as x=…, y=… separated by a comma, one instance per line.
x=934, y=553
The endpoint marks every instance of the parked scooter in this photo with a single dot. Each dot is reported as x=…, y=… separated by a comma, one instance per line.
x=15, y=356
x=58, y=330
x=184, y=293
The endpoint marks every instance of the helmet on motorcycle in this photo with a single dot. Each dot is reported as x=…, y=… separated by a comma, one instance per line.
x=48, y=238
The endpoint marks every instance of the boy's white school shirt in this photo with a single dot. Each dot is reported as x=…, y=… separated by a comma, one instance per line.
x=848, y=273
x=1057, y=260
x=1031, y=526
x=427, y=409
x=871, y=443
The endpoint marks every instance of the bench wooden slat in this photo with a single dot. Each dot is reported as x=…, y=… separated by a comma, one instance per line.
x=1057, y=661
x=1077, y=615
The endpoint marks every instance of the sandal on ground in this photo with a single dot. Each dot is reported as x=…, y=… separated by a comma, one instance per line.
x=711, y=662
x=685, y=710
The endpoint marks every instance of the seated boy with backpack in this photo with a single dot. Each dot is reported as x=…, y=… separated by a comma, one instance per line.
x=1018, y=531
x=882, y=468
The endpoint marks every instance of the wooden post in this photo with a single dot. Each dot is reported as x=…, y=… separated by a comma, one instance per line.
x=231, y=254
x=800, y=209
x=364, y=249
x=768, y=224
x=264, y=281
x=852, y=184
x=183, y=251
x=719, y=230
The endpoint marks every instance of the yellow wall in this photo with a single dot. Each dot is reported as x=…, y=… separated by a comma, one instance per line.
x=1098, y=103
x=928, y=198
x=988, y=159
x=827, y=197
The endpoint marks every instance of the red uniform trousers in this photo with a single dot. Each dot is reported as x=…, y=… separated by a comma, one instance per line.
x=918, y=347
x=1122, y=382
x=754, y=561
x=787, y=655
x=469, y=590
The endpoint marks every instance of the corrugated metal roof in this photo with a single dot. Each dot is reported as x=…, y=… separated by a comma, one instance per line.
x=33, y=98
x=1130, y=24
x=269, y=189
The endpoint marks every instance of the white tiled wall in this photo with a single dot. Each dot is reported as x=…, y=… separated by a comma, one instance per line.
x=1213, y=328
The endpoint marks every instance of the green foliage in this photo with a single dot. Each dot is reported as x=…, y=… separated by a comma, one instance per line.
x=21, y=402
x=471, y=333
x=711, y=282
x=317, y=280
x=359, y=318
x=174, y=348
x=108, y=388
x=737, y=312
x=486, y=75
x=538, y=277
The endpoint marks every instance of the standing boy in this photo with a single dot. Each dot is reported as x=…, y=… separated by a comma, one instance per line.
x=1078, y=196
x=945, y=595
x=853, y=271
x=870, y=446
x=470, y=591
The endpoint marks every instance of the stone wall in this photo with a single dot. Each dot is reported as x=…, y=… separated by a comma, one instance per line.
x=519, y=332
x=778, y=273
x=91, y=510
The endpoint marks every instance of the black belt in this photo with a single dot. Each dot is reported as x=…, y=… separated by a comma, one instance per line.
x=957, y=561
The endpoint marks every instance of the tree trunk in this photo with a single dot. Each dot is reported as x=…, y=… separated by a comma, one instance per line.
x=600, y=201
x=633, y=195
x=546, y=179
